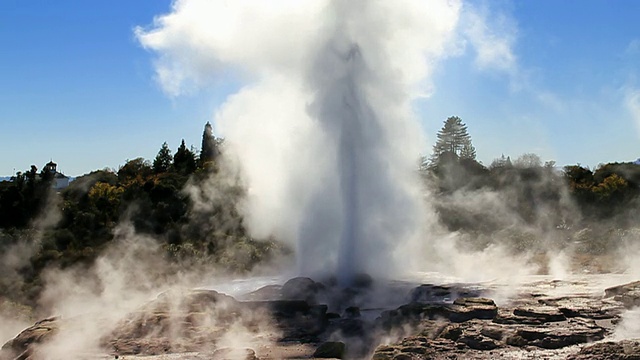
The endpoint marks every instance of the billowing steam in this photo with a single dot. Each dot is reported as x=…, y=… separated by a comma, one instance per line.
x=324, y=133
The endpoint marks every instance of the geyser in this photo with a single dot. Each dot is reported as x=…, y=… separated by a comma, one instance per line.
x=323, y=132
x=346, y=115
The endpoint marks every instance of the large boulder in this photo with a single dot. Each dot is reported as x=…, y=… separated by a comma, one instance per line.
x=175, y=321
x=25, y=343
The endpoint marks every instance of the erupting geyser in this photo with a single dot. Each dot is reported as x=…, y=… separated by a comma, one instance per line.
x=323, y=132
x=367, y=192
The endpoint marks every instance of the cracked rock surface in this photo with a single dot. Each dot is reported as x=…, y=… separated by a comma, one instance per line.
x=304, y=318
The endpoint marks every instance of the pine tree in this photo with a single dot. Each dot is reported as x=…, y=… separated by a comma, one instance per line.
x=468, y=151
x=453, y=139
x=209, y=150
x=185, y=160
x=163, y=160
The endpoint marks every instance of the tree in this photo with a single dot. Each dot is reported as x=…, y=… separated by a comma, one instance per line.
x=468, y=151
x=105, y=198
x=162, y=162
x=138, y=168
x=528, y=161
x=184, y=161
x=209, y=150
x=453, y=138
x=612, y=187
x=501, y=163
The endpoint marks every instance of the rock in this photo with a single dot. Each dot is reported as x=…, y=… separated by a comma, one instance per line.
x=472, y=335
x=352, y=312
x=429, y=293
x=175, y=321
x=265, y=293
x=584, y=306
x=531, y=325
x=516, y=340
x=484, y=339
x=492, y=332
x=22, y=345
x=234, y=354
x=543, y=313
x=362, y=281
x=609, y=350
x=409, y=348
x=410, y=314
x=331, y=349
x=403, y=357
x=352, y=327
x=479, y=342
x=560, y=336
x=474, y=301
x=627, y=294
x=192, y=320
x=531, y=315
x=506, y=317
x=464, y=309
x=332, y=316
x=621, y=289
x=629, y=300
x=452, y=332
x=296, y=319
x=280, y=308
x=301, y=288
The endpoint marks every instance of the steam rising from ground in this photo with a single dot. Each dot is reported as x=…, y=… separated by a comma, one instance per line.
x=323, y=133
x=324, y=137
x=94, y=300
x=14, y=255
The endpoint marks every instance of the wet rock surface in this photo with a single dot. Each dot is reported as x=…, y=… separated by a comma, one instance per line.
x=307, y=319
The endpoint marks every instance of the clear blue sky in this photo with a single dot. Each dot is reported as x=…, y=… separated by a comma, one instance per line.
x=76, y=87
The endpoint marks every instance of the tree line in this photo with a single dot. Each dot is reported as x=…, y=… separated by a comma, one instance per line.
x=565, y=203
x=150, y=196
x=147, y=195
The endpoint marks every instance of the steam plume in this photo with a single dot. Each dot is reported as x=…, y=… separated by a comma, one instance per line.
x=324, y=133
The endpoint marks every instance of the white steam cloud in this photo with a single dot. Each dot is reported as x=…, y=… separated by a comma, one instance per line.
x=324, y=133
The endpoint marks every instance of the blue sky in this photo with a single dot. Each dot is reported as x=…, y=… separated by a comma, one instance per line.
x=76, y=86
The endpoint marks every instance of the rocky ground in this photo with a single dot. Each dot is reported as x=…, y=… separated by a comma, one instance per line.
x=395, y=320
